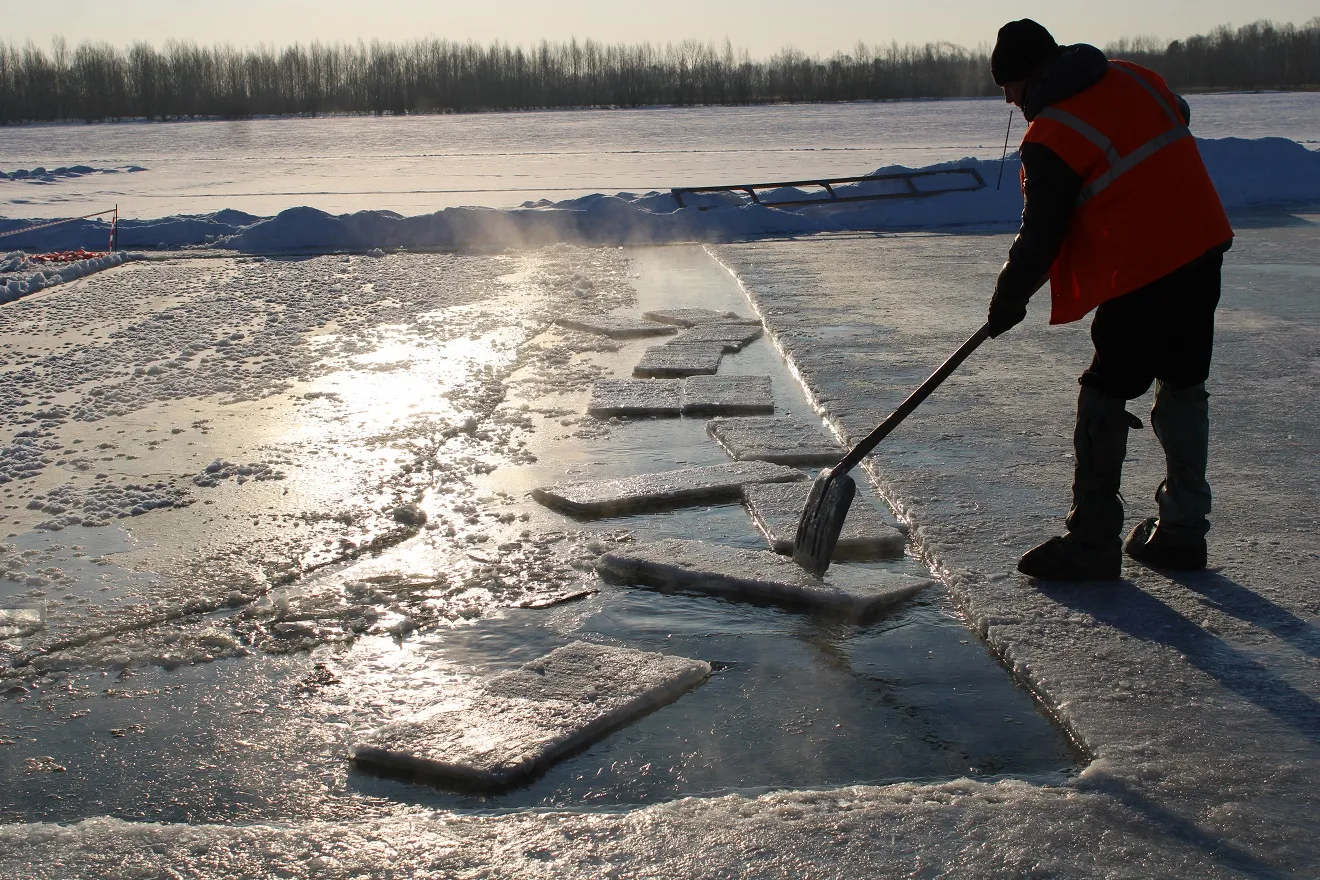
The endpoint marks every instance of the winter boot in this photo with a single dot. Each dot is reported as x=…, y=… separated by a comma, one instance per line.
x=1181, y=418
x=1091, y=550
x=1150, y=545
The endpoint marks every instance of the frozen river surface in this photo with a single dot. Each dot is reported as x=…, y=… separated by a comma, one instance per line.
x=418, y=165
x=215, y=471
x=206, y=663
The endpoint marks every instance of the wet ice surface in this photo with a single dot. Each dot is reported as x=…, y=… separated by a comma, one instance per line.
x=755, y=575
x=190, y=434
x=248, y=655
x=867, y=533
x=1196, y=693
x=522, y=721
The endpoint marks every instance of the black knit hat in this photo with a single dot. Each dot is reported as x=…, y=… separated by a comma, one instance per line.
x=1020, y=50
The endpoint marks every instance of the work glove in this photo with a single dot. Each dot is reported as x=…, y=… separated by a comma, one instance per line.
x=1005, y=314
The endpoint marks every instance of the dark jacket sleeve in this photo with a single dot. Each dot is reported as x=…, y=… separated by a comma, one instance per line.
x=1050, y=191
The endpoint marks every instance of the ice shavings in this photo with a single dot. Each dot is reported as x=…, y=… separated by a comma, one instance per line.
x=103, y=502
x=667, y=489
x=524, y=720
x=675, y=563
x=220, y=470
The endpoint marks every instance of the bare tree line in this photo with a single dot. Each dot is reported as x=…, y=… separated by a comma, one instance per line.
x=96, y=81
x=1262, y=55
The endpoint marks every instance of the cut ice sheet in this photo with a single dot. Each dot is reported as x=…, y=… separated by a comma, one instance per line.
x=677, y=488
x=520, y=722
x=691, y=317
x=635, y=397
x=867, y=533
x=758, y=575
x=697, y=395
x=734, y=336
x=727, y=395
x=781, y=440
x=616, y=326
x=680, y=359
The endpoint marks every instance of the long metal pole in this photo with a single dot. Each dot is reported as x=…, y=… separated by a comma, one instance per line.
x=1004, y=158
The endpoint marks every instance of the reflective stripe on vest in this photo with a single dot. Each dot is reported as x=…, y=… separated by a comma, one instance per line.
x=1119, y=165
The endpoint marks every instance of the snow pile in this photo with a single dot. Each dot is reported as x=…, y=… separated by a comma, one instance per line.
x=1248, y=173
x=159, y=234
x=41, y=175
x=17, y=278
x=1264, y=171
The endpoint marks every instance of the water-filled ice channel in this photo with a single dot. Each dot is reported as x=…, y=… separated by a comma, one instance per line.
x=798, y=700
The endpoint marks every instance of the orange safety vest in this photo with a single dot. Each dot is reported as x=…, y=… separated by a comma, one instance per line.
x=1147, y=205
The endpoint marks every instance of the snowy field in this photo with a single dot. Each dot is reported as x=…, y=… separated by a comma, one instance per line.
x=255, y=506
x=422, y=164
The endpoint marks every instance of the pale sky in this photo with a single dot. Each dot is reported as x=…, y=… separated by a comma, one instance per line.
x=761, y=26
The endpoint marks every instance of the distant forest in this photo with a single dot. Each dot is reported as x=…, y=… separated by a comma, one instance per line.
x=96, y=81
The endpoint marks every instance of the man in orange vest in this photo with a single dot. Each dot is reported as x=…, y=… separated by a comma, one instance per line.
x=1121, y=217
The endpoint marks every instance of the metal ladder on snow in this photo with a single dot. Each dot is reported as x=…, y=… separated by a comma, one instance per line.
x=969, y=175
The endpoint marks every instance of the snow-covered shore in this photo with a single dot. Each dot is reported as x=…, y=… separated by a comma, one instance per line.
x=1249, y=174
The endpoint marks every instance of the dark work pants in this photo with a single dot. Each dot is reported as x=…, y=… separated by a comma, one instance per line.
x=1162, y=333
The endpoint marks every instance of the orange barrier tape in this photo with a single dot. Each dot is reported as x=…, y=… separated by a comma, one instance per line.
x=66, y=256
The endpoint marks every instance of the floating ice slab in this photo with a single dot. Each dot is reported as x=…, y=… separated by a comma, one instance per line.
x=691, y=317
x=636, y=397
x=21, y=620
x=522, y=721
x=750, y=574
x=727, y=395
x=781, y=440
x=616, y=326
x=776, y=510
x=732, y=335
x=668, y=489
x=680, y=359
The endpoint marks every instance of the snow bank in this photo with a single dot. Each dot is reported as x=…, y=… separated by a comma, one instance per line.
x=1248, y=173
x=20, y=277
